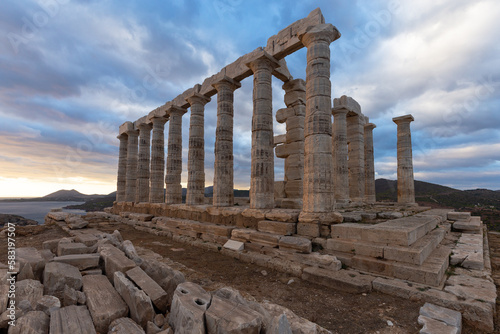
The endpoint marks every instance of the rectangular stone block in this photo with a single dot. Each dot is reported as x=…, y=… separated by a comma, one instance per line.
x=71, y=248
x=454, y=216
x=275, y=227
x=115, y=260
x=220, y=230
x=265, y=238
x=155, y=292
x=242, y=235
x=71, y=319
x=86, y=239
x=295, y=244
x=104, y=303
x=234, y=245
x=348, y=231
x=81, y=261
x=308, y=229
x=343, y=280
x=355, y=247
x=226, y=316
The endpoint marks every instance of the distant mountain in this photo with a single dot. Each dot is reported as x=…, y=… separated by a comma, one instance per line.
x=65, y=194
x=433, y=194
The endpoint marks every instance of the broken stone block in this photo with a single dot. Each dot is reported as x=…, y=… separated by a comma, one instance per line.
x=226, y=316
x=189, y=304
x=295, y=244
x=76, y=223
x=32, y=256
x=449, y=317
x=472, y=288
x=454, y=216
x=57, y=275
x=81, y=261
x=115, y=260
x=152, y=328
x=154, y=291
x=48, y=304
x=34, y=322
x=47, y=255
x=51, y=245
x=87, y=239
x=130, y=252
x=140, y=306
x=25, y=273
x=71, y=320
x=30, y=290
x=433, y=326
x=125, y=326
x=71, y=248
x=103, y=301
x=275, y=227
x=73, y=297
x=165, y=276
x=91, y=272
x=389, y=215
x=297, y=324
x=279, y=325
x=234, y=245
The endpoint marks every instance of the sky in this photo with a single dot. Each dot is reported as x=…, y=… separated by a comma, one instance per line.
x=72, y=71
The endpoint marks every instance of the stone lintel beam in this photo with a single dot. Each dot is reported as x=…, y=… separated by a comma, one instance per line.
x=180, y=100
x=347, y=103
x=142, y=121
x=287, y=41
x=176, y=110
x=161, y=111
x=403, y=119
x=126, y=127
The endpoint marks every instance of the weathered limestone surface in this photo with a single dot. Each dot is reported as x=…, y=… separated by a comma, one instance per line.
x=262, y=169
x=115, y=260
x=69, y=248
x=156, y=194
x=150, y=287
x=48, y=304
x=174, y=156
x=143, y=171
x=188, y=309
x=81, y=261
x=355, y=138
x=34, y=322
x=122, y=169
x=30, y=290
x=369, y=164
x=132, y=152
x=31, y=256
x=196, y=157
x=223, y=166
x=58, y=275
x=406, y=185
x=340, y=154
x=318, y=179
x=165, y=276
x=71, y=320
x=125, y=326
x=227, y=316
x=140, y=306
x=104, y=303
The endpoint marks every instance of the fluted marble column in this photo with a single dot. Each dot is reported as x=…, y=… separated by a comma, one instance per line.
x=356, y=163
x=156, y=194
x=340, y=166
x=262, y=169
x=223, y=166
x=131, y=183
x=174, y=156
x=318, y=178
x=196, y=155
x=143, y=172
x=406, y=185
x=121, y=182
x=369, y=164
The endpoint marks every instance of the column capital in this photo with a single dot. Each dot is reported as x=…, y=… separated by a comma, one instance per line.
x=263, y=61
x=295, y=84
x=174, y=110
x=370, y=126
x=320, y=33
x=145, y=126
x=403, y=119
x=226, y=81
x=197, y=98
x=158, y=120
x=125, y=127
x=339, y=111
x=122, y=136
x=132, y=132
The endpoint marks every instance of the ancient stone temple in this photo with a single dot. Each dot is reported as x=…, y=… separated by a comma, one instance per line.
x=322, y=222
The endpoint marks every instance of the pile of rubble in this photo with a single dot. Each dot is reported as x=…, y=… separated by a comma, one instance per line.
x=95, y=282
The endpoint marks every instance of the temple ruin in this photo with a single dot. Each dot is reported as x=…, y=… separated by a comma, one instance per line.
x=321, y=222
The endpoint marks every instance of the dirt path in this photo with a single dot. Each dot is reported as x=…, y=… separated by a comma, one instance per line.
x=337, y=311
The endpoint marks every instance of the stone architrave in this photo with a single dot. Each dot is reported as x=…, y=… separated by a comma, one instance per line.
x=223, y=166
x=143, y=171
x=174, y=156
x=356, y=163
x=406, y=185
x=262, y=169
x=122, y=169
x=318, y=179
x=156, y=193
x=369, y=164
x=132, y=152
x=340, y=156
x=196, y=156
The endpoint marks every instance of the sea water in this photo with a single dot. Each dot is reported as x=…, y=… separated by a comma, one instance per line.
x=36, y=210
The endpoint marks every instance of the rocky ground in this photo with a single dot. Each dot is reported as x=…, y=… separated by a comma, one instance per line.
x=337, y=311
x=18, y=220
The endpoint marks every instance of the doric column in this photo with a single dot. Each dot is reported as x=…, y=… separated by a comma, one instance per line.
x=174, y=156
x=142, y=192
x=132, y=148
x=223, y=166
x=340, y=166
x=196, y=155
x=262, y=169
x=356, y=163
x=369, y=164
x=406, y=185
x=318, y=179
x=121, y=183
x=156, y=194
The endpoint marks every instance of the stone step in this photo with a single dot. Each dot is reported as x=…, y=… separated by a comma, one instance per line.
x=277, y=227
x=401, y=232
x=431, y=272
x=343, y=280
